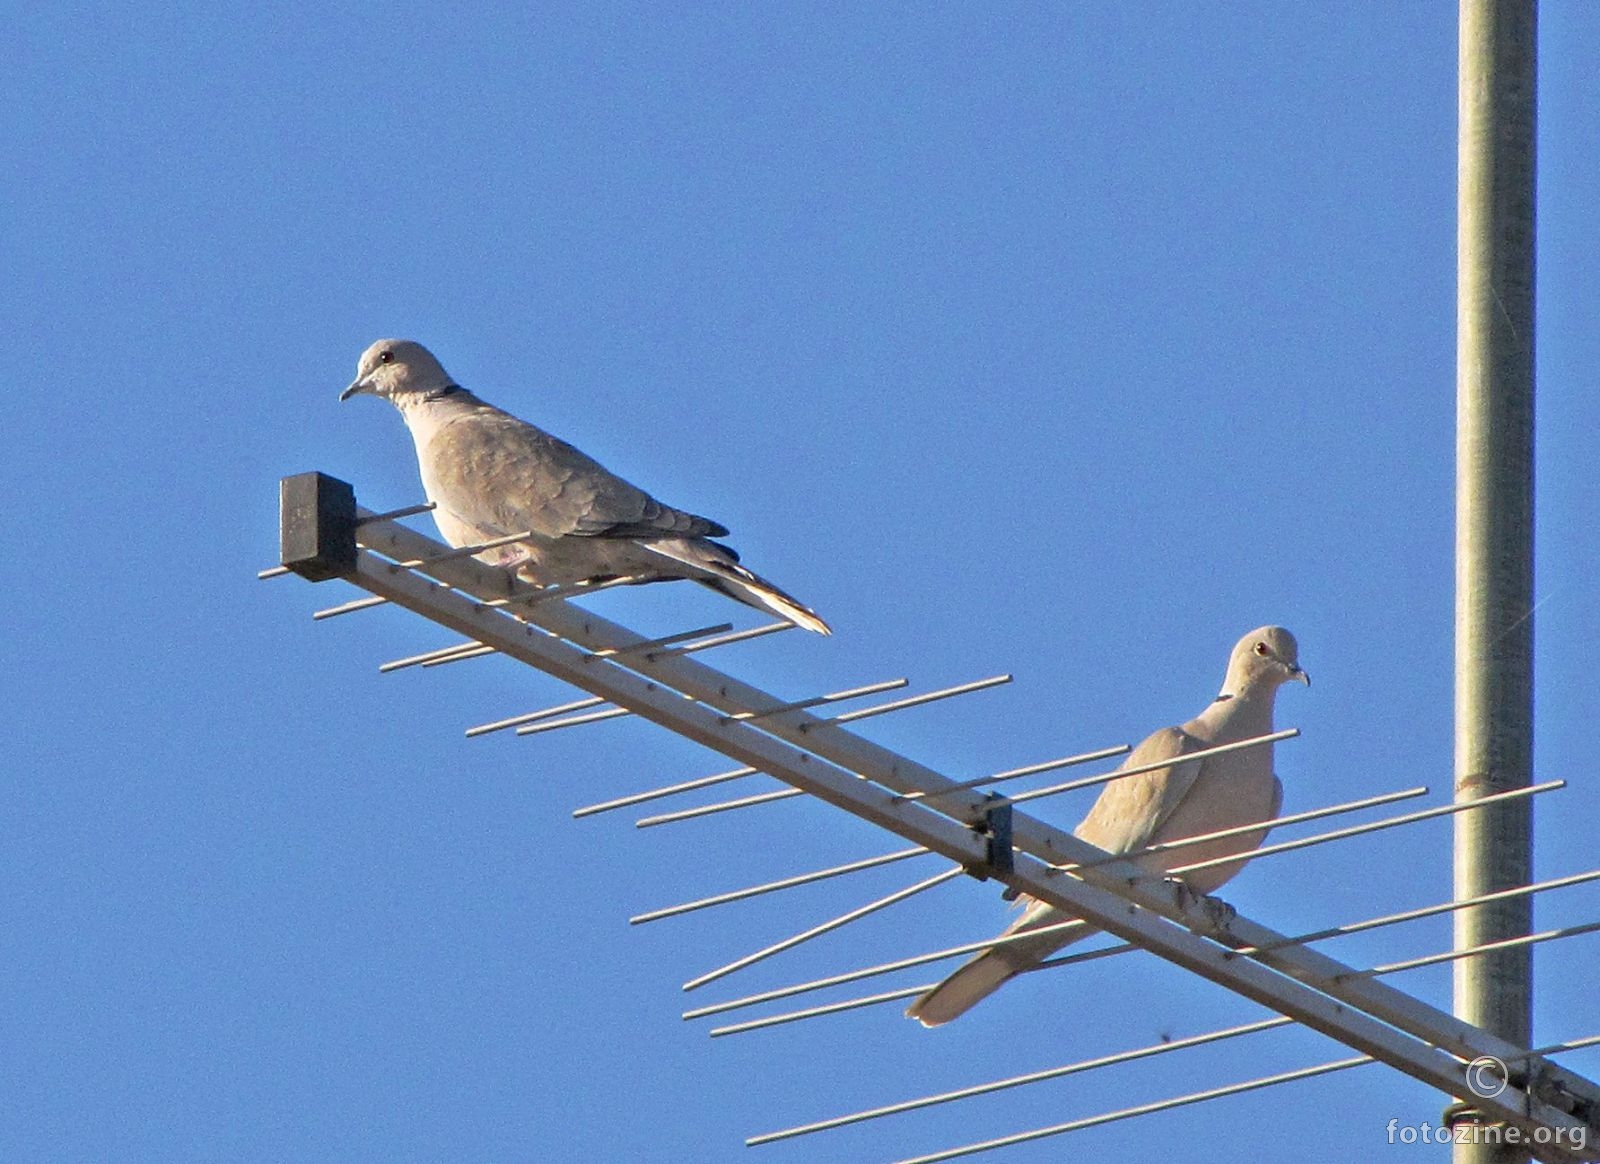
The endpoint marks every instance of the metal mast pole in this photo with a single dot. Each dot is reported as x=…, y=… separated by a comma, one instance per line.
x=1494, y=517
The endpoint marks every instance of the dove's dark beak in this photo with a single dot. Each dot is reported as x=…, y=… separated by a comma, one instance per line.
x=1295, y=672
x=358, y=387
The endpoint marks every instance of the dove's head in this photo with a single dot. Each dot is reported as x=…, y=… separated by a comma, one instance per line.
x=395, y=370
x=1263, y=659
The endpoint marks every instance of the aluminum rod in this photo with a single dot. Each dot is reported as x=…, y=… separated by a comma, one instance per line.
x=484, y=729
x=1375, y=826
x=915, y=700
x=1027, y=770
x=397, y=514
x=663, y=641
x=1089, y=782
x=818, y=700
x=428, y=656
x=273, y=572
x=535, y=596
x=823, y=759
x=460, y=656
x=1142, y=1109
x=659, y=793
x=906, y=992
x=1019, y=1081
x=775, y=886
x=826, y=927
x=1198, y=1097
x=463, y=551
x=723, y=640
x=782, y=794
x=778, y=1020
x=1495, y=370
x=348, y=608
x=1276, y=822
x=1558, y=1048
x=1518, y=942
x=648, y=822
x=1420, y=912
x=555, y=725
x=878, y=970
x=1204, y=753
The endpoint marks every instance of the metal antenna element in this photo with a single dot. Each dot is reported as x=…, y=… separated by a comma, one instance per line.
x=1422, y=912
x=533, y=596
x=721, y=806
x=755, y=632
x=775, y=886
x=826, y=927
x=1017, y=773
x=1276, y=822
x=555, y=725
x=1020, y=1080
x=484, y=729
x=724, y=777
x=1375, y=826
x=1218, y=1093
x=430, y=656
x=1142, y=1109
x=818, y=700
x=397, y=514
x=349, y=607
x=914, y=701
x=669, y=790
x=667, y=640
x=907, y=992
x=460, y=656
x=1519, y=942
x=1202, y=754
x=648, y=648
x=463, y=551
x=325, y=535
x=884, y=968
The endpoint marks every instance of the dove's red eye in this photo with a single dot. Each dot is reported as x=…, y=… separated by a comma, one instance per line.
x=1261, y=648
x=385, y=357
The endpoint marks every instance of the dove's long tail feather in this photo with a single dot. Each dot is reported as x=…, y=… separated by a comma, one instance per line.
x=718, y=567
x=987, y=973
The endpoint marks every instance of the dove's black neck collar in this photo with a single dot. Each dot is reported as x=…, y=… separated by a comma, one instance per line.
x=441, y=393
x=1223, y=698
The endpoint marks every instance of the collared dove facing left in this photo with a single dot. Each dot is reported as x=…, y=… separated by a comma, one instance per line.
x=1186, y=799
x=491, y=475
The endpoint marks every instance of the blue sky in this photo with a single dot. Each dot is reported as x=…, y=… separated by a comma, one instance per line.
x=1072, y=341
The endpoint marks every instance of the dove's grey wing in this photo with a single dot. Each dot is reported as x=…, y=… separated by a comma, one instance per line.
x=501, y=473
x=1131, y=810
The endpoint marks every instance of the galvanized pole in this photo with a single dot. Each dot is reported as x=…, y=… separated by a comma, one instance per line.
x=1494, y=519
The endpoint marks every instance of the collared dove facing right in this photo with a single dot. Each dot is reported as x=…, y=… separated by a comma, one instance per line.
x=492, y=476
x=1187, y=799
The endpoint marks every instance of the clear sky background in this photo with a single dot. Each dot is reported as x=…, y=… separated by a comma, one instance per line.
x=1069, y=340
